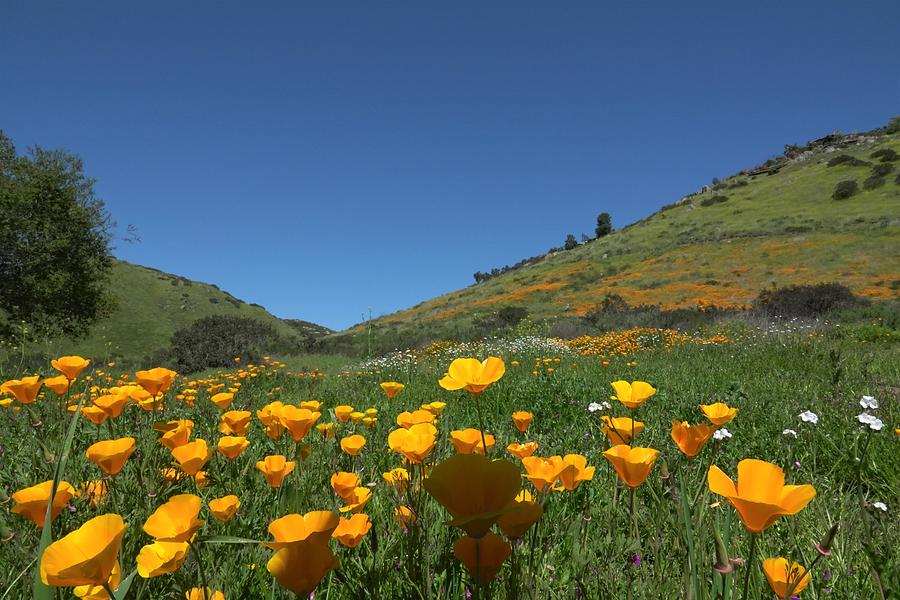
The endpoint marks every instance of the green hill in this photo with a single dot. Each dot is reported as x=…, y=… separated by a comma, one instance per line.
x=773, y=225
x=151, y=305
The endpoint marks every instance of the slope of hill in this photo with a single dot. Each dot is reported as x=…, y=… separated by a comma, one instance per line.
x=758, y=229
x=152, y=305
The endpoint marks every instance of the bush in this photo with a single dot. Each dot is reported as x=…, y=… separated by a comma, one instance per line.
x=845, y=159
x=718, y=199
x=897, y=179
x=885, y=154
x=882, y=169
x=806, y=300
x=893, y=126
x=845, y=189
x=215, y=341
x=873, y=182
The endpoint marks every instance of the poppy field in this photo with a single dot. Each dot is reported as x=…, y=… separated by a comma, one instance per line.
x=636, y=465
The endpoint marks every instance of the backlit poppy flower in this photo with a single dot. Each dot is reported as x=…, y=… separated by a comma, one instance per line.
x=403, y=515
x=369, y=421
x=70, y=366
x=98, y=592
x=24, y=390
x=225, y=507
x=392, y=388
x=95, y=414
x=353, y=444
x=155, y=381
x=270, y=414
x=435, y=408
x=467, y=441
x=542, y=472
x=482, y=556
x=619, y=429
x=357, y=416
x=298, y=421
x=223, y=399
x=474, y=489
x=350, y=532
x=415, y=443
x=300, y=567
x=275, y=468
x=343, y=412
x=398, y=478
x=522, y=419
x=780, y=578
x=203, y=594
x=718, y=413
x=690, y=439
x=231, y=446
x=111, y=455
x=759, y=495
x=86, y=556
x=59, y=384
x=112, y=404
x=407, y=419
x=326, y=429
x=472, y=375
x=160, y=558
x=371, y=412
x=633, y=394
x=523, y=514
x=31, y=502
x=631, y=463
x=343, y=483
x=574, y=471
x=193, y=456
x=356, y=500
x=94, y=490
x=176, y=520
x=314, y=527
x=521, y=451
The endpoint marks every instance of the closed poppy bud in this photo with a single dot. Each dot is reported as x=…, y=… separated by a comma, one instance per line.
x=192, y=456
x=203, y=594
x=176, y=520
x=521, y=451
x=468, y=441
x=633, y=394
x=620, y=430
x=225, y=507
x=343, y=483
x=222, y=400
x=472, y=375
x=353, y=444
x=520, y=518
x=574, y=471
x=155, y=381
x=482, y=556
x=343, y=412
x=70, y=366
x=781, y=578
x=522, y=419
x=690, y=439
x=824, y=547
x=275, y=468
x=31, y=502
x=111, y=455
x=407, y=419
x=392, y=388
x=350, y=532
x=231, y=446
x=300, y=567
x=542, y=472
x=718, y=413
x=160, y=558
x=87, y=556
x=356, y=500
x=24, y=390
x=314, y=527
x=632, y=464
x=59, y=385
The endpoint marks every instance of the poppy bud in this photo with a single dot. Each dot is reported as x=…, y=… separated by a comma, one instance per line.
x=4, y=497
x=48, y=455
x=664, y=470
x=824, y=547
x=6, y=533
x=723, y=564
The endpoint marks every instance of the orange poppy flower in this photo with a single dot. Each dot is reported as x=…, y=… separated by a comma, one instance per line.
x=300, y=567
x=314, y=527
x=193, y=456
x=633, y=394
x=155, y=381
x=343, y=412
x=235, y=422
x=176, y=520
x=690, y=439
x=350, y=532
x=24, y=390
x=94, y=490
x=203, y=594
x=95, y=414
x=59, y=384
x=355, y=501
x=467, y=441
x=631, y=463
x=112, y=404
x=472, y=375
x=70, y=366
x=353, y=444
x=326, y=429
x=521, y=451
x=231, y=446
x=392, y=388
x=97, y=592
x=403, y=515
x=222, y=400
x=524, y=513
x=574, y=471
x=178, y=433
x=718, y=413
x=415, y=443
x=160, y=558
x=225, y=507
x=542, y=472
x=298, y=421
x=343, y=483
x=781, y=578
x=86, y=556
x=435, y=408
x=398, y=478
x=482, y=556
x=522, y=419
x=313, y=405
x=760, y=495
x=619, y=429
x=275, y=468
x=31, y=502
x=407, y=419
x=111, y=455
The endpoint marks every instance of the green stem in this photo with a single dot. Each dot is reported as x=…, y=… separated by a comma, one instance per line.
x=481, y=425
x=793, y=585
x=109, y=590
x=203, y=583
x=751, y=560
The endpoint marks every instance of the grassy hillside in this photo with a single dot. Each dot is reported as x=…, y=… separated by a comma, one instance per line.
x=152, y=305
x=718, y=248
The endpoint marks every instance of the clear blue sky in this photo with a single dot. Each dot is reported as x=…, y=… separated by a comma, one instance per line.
x=324, y=159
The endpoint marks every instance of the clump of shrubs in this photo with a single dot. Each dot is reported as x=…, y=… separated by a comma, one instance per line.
x=885, y=154
x=846, y=159
x=882, y=169
x=873, y=182
x=845, y=189
x=215, y=341
x=806, y=300
x=717, y=199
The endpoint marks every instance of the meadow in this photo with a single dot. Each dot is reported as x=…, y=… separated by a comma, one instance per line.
x=522, y=528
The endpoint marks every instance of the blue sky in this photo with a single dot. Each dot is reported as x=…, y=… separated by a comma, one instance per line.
x=327, y=159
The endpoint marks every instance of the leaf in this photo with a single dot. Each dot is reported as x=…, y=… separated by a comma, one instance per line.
x=226, y=539
x=125, y=585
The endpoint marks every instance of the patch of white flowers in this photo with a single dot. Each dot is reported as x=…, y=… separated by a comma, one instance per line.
x=874, y=423
x=809, y=416
x=595, y=406
x=722, y=434
x=790, y=432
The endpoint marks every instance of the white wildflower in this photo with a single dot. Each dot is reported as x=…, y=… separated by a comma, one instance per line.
x=789, y=432
x=595, y=406
x=865, y=418
x=880, y=506
x=722, y=434
x=809, y=417
x=868, y=403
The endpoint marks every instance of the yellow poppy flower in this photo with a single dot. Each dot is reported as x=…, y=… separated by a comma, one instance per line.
x=111, y=455
x=718, y=413
x=482, y=556
x=780, y=578
x=631, y=463
x=472, y=375
x=31, y=502
x=86, y=556
x=70, y=366
x=690, y=439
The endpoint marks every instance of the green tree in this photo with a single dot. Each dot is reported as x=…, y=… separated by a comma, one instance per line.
x=571, y=242
x=604, y=225
x=54, y=243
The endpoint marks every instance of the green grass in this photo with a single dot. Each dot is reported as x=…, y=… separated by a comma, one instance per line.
x=582, y=547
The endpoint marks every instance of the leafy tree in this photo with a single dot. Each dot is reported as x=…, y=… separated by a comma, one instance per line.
x=215, y=341
x=571, y=242
x=54, y=243
x=604, y=225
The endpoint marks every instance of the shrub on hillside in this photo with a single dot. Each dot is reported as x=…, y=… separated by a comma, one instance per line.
x=717, y=199
x=885, y=154
x=875, y=181
x=215, y=341
x=893, y=126
x=845, y=189
x=846, y=159
x=897, y=179
x=806, y=300
x=882, y=169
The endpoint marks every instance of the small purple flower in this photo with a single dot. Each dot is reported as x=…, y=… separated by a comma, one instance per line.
x=636, y=561
x=71, y=508
x=796, y=464
x=826, y=575
x=468, y=593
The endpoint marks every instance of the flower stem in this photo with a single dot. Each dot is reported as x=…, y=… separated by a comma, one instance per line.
x=750, y=564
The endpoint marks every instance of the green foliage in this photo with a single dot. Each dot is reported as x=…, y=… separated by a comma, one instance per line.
x=893, y=126
x=845, y=189
x=571, y=243
x=882, y=169
x=846, y=159
x=54, y=243
x=215, y=341
x=873, y=182
x=604, y=225
x=717, y=199
x=885, y=154
x=806, y=300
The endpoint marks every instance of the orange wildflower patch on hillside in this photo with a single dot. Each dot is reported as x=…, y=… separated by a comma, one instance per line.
x=624, y=343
